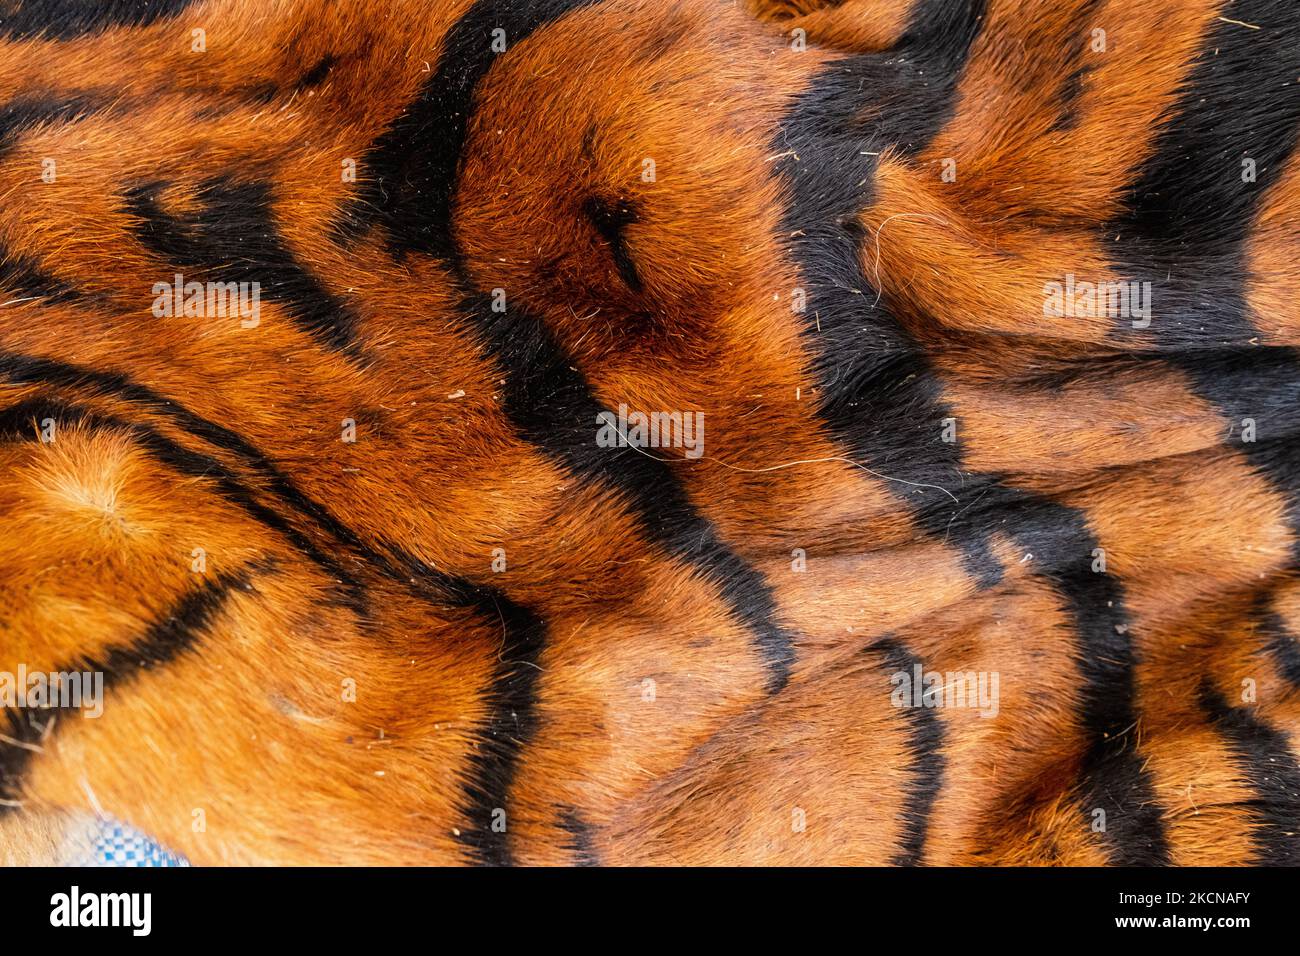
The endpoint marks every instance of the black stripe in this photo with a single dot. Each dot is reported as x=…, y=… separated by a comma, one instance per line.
x=511, y=725
x=70, y=19
x=1113, y=773
x=580, y=842
x=1281, y=645
x=875, y=390
x=22, y=114
x=1263, y=755
x=234, y=238
x=1059, y=547
x=181, y=629
x=176, y=632
x=25, y=369
x=27, y=280
x=925, y=740
x=410, y=174
x=318, y=73
x=1077, y=63
x=1240, y=100
x=931, y=56
x=27, y=726
x=611, y=219
x=550, y=403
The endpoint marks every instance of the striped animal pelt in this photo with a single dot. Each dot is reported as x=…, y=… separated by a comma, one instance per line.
x=652, y=431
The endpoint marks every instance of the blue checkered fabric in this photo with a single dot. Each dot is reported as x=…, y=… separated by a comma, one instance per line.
x=116, y=844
